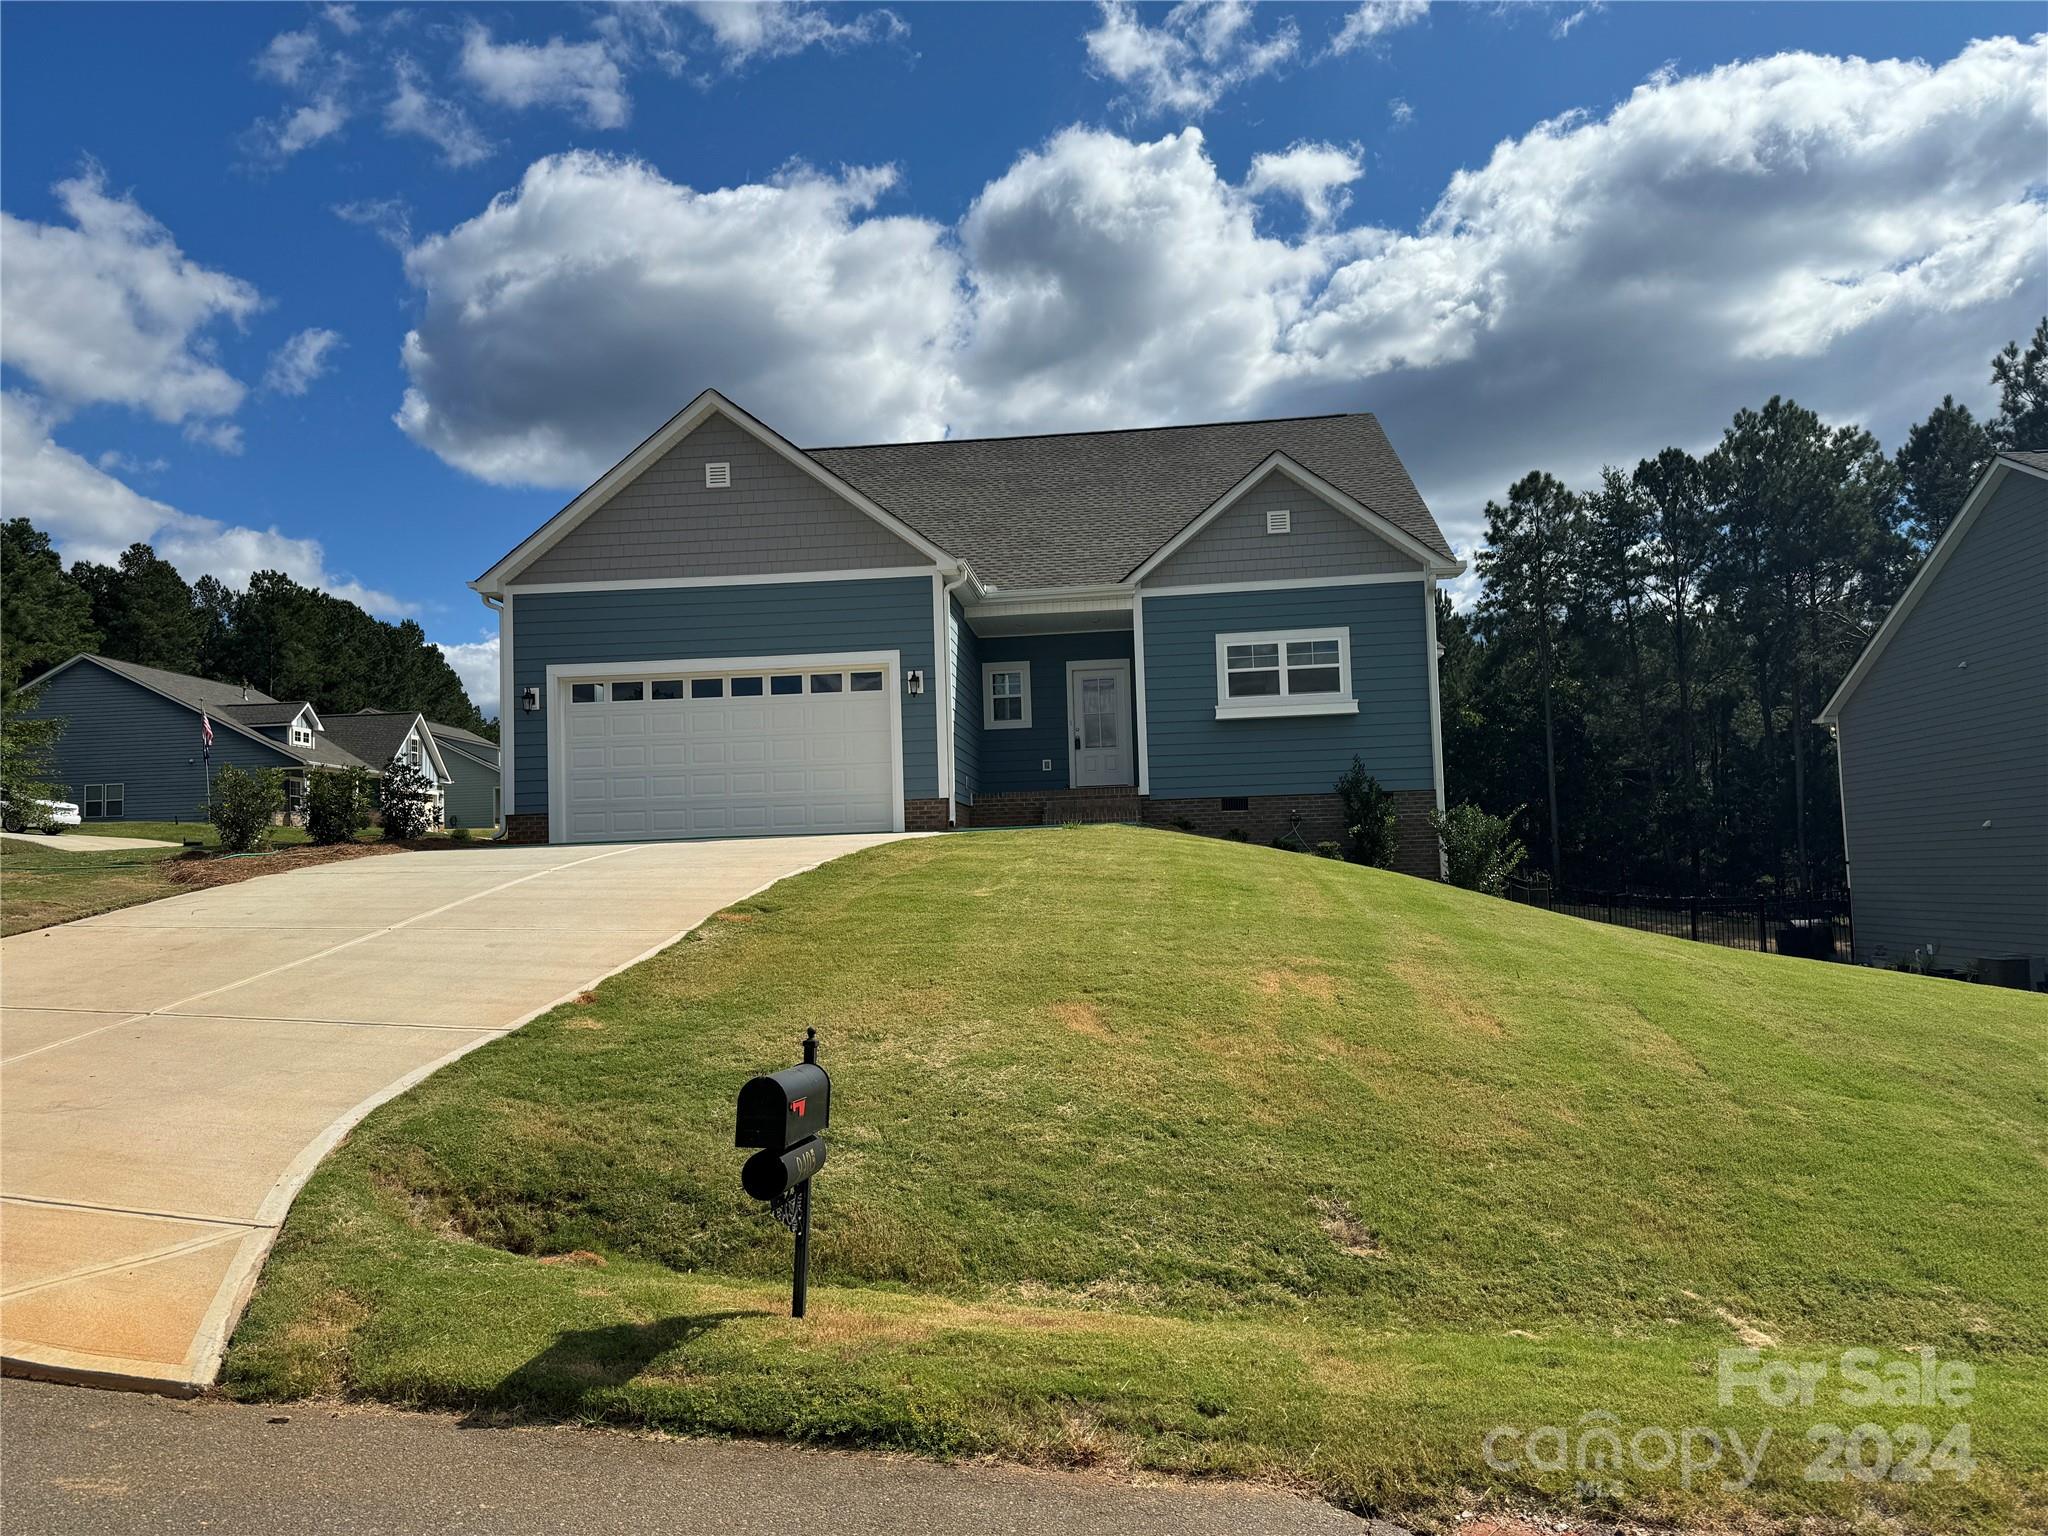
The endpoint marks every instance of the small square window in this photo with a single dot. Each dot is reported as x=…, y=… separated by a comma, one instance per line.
x=717, y=476
x=628, y=693
x=867, y=682
x=746, y=687
x=707, y=687
x=827, y=682
x=1006, y=695
x=785, y=684
x=583, y=693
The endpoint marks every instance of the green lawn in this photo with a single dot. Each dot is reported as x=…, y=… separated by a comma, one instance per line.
x=1152, y=1150
x=45, y=882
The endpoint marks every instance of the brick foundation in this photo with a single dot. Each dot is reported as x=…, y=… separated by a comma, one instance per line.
x=1266, y=817
x=1016, y=808
x=530, y=827
x=927, y=815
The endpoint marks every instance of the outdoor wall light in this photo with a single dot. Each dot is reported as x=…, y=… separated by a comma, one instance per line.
x=529, y=701
x=913, y=681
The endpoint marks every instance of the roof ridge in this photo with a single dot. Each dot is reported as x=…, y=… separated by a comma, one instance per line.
x=1039, y=437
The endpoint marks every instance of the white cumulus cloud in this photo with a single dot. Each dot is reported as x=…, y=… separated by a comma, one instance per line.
x=108, y=310
x=300, y=361
x=92, y=515
x=1200, y=51
x=414, y=110
x=476, y=663
x=1859, y=233
x=743, y=30
x=1365, y=25
x=581, y=77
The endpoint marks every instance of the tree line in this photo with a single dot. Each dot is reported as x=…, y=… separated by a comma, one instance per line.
x=1637, y=681
x=288, y=641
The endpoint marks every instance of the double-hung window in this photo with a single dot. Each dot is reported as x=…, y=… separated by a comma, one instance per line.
x=1284, y=672
x=1006, y=695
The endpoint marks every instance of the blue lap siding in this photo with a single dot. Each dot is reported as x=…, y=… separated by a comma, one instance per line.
x=1012, y=759
x=119, y=732
x=690, y=623
x=1192, y=753
x=966, y=707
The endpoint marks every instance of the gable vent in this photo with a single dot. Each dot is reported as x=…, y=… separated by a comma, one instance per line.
x=717, y=476
x=1279, y=522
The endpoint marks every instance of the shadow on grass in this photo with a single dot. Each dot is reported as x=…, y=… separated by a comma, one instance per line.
x=573, y=1377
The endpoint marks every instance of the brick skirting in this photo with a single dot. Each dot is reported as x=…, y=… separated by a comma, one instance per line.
x=531, y=827
x=1266, y=817
x=927, y=815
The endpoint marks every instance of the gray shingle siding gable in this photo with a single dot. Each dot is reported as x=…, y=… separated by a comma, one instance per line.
x=775, y=518
x=691, y=623
x=1322, y=541
x=1944, y=753
x=1193, y=753
x=119, y=732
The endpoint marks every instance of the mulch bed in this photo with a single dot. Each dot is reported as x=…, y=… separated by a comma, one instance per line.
x=199, y=869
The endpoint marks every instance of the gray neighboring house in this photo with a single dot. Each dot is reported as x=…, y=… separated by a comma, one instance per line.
x=1942, y=743
x=1193, y=626
x=466, y=763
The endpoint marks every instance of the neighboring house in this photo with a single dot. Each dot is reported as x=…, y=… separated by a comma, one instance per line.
x=470, y=789
x=1194, y=626
x=1942, y=741
x=131, y=746
x=378, y=736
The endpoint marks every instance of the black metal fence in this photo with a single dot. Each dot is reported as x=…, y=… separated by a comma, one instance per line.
x=1814, y=927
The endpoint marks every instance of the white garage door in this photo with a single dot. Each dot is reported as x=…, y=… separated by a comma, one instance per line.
x=724, y=754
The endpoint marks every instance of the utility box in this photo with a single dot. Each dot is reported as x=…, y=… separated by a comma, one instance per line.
x=784, y=1108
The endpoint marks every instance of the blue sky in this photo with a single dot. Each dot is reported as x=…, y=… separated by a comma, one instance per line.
x=261, y=308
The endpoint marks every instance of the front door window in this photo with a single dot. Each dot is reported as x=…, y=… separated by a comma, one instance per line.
x=1101, y=724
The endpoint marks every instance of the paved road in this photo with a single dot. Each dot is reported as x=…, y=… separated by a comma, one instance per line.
x=106, y=1463
x=173, y=1072
x=85, y=842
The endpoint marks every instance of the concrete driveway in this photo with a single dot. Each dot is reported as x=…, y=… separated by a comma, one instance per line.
x=170, y=1074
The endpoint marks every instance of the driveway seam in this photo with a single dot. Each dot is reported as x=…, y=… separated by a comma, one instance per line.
x=134, y=1210
x=131, y=1261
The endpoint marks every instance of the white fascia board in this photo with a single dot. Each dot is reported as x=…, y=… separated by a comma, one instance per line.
x=1430, y=560
x=419, y=729
x=1988, y=484
x=707, y=404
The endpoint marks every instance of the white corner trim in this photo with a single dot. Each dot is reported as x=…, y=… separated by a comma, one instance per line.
x=989, y=669
x=751, y=579
x=1283, y=708
x=1138, y=694
x=1433, y=659
x=1988, y=484
x=708, y=403
x=561, y=674
x=1315, y=484
x=508, y=713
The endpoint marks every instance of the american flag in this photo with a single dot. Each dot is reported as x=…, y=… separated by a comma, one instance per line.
x=205, y=730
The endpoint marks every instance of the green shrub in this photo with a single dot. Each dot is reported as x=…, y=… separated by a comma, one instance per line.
x=1481, y=852
x=1368, y=816
x=1329, y=850
x=407, y=800
x=458, y=834
x=243, y=807
x=337, y=806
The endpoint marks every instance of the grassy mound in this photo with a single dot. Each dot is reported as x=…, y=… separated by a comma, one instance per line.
x=1154, y=1150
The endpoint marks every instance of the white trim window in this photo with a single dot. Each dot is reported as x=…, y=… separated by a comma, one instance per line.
x=1006, y=695
x=1284, y=672
x=103, y=800
x=302, y=733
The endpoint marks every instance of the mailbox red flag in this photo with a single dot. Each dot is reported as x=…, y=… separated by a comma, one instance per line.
x=798, y=1104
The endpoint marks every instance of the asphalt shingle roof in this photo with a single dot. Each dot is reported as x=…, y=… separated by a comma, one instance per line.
x=2033, y=458
x=266, y=711
x=1079, y=508
x=371, y=737
x=233, y=702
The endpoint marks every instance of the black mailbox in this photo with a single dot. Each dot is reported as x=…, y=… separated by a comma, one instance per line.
x=784, y=1108
x=769, y=1175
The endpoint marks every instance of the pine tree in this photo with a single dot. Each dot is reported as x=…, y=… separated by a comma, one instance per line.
x=45, y=617
x=1938, y=463
x=2022, y=380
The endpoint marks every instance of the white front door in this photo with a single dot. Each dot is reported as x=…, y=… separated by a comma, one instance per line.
x=1099, y=722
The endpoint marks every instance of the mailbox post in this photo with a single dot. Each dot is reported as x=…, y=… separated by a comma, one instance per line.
x=783, y=1116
